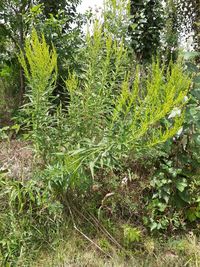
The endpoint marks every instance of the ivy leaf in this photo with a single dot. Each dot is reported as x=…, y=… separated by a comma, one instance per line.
x=153, y=226
x=191, y=215
x=162, y=207
x=181, y=184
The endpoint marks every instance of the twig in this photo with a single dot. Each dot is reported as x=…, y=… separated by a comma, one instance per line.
x=100, y=226
x=78, y=230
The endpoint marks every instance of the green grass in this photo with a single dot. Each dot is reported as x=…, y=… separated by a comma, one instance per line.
x=74, y=251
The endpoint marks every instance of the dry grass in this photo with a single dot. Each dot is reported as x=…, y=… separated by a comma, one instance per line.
x=177, y=252
x=16, y=157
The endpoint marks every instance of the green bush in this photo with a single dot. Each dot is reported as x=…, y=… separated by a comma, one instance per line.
x=175, y=183
x=9, y=97
x=116, y=113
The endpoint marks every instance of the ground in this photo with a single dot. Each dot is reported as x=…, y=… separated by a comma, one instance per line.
x=16, y=157
x=176, y=252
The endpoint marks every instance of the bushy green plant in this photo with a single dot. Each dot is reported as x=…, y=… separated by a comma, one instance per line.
x=147, y=21
x=116, y=16
x=40, y=67
x=117, y=117
x=131, y=235
x=62, y=26
x=9, y=97
x=175, y=184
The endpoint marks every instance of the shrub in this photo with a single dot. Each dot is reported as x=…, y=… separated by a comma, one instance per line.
x=175, y=183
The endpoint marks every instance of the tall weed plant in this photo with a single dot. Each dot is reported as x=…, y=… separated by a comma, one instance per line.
x=40, y=68
x=114, y=110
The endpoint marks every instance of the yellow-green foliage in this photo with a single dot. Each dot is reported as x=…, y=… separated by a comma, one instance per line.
x=39, y=63
x=139, y=114
x=91, y=96
x=151, y=100
x=131, y=235
x=40, y=68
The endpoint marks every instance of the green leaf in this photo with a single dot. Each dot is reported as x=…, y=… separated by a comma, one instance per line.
x=197, y=79
x=16, y=127
x=190, y=55
x=196, y=139
x=191, y=67
x=91, y=165
x=154, y=226
x=181, y=184
x=196, y=93
x=191, y=215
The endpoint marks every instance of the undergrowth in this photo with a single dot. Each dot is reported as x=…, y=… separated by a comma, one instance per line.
x=181, y=251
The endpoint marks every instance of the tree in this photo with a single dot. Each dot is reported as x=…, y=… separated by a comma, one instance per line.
x=147, y=19
x=171, y=30
x=182, y=19
x=53, y=7
x=189, y=19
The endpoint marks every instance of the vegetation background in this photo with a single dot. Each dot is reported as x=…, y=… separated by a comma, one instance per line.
x=99, y=133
